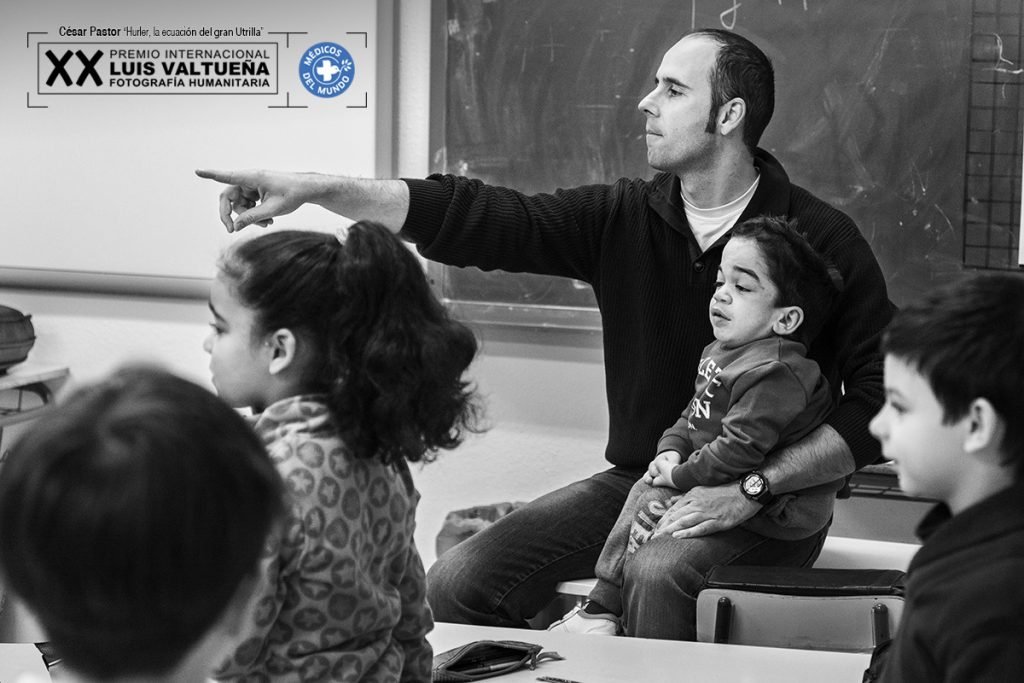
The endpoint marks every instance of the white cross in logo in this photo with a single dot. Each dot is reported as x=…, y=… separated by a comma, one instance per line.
x=327, y=70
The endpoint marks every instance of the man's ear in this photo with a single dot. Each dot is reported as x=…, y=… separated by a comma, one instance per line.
x=985, y=431
x=788, y=320
x=731, y=115
x=283, y=347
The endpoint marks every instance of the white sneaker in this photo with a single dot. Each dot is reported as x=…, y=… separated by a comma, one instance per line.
x=578, y=621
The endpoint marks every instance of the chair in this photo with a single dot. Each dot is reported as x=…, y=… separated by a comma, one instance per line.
x=850, y=610
x=810, y=621
x=837, y=553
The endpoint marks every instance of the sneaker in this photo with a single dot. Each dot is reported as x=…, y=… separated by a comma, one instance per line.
x=578, y=621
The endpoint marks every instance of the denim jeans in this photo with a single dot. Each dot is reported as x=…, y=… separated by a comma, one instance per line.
x=507, y=573
x=644, y=507
x=660, y=581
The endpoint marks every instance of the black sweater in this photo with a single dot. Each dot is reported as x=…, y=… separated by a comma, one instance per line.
x=632, y=243
x=964, y=615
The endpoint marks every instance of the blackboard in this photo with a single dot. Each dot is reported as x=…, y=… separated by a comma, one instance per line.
x=871, y=115
x=100, y=193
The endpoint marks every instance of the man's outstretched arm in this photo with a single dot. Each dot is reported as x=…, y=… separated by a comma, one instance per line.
x=259, y=196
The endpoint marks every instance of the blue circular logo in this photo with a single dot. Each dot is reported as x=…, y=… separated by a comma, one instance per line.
x=327, y=69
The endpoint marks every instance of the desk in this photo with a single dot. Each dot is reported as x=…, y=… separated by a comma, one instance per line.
x=22, y=381
x=26, y=392
x=17, y=660
x=609, y=659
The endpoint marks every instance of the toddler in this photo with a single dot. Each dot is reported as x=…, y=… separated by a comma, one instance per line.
x=755, y=391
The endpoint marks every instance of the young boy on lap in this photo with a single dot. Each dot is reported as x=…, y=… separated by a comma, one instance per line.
x=755, y=391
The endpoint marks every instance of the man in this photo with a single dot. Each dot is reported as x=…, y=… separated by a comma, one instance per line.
x=650, y=249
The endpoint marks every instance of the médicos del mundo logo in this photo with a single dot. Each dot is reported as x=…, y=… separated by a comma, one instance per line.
x=327, y=69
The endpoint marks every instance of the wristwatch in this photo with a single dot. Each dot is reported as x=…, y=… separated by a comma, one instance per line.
x=755, y=487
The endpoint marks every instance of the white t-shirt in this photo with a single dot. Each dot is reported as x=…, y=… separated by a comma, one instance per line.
x=710, y=224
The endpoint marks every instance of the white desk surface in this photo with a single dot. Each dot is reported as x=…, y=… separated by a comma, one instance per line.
x=609, y=659
x=21, y=662
x=604, y=659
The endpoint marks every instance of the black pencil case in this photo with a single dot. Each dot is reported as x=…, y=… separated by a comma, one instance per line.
x=487, y=658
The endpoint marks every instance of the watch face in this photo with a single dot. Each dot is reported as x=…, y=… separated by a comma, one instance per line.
x=753, y=485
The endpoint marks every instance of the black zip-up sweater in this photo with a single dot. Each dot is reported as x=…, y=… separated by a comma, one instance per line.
x=632, y=243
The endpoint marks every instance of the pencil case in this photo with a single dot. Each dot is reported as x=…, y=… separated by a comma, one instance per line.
x=486, y=659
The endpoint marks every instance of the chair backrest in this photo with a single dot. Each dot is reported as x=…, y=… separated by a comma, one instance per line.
x=849, y=610
x=767, y=618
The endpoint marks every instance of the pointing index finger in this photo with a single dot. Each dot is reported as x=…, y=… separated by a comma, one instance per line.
x=227, y=177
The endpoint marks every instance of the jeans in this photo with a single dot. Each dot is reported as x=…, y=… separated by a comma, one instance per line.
x=507, y=573
x=660, y=581
x=640, y=514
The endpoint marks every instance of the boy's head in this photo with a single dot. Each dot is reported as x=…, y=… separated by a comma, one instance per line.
x=954, y=373
x=130, y=517
x=771, y=281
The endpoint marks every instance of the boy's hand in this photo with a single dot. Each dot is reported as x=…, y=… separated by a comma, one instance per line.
x=659, y=472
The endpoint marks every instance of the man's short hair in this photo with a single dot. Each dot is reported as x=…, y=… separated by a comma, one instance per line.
x=741, y=70
x=966, y=339
x=130, y=516
x=800, y=274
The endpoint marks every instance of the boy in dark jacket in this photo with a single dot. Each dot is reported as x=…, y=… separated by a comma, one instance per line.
x=954, y=373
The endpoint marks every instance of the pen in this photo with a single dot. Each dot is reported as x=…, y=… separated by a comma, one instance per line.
x=488, y=668
x=552, y=679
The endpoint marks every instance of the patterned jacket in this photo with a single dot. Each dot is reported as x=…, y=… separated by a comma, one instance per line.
x=342, y=592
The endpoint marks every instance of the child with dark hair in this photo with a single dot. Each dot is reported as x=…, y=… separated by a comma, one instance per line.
x=353, y=368
x=755, y=391
x=132, y=520
x=953, y=422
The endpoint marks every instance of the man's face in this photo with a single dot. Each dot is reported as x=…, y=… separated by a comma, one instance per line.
x=677, y=109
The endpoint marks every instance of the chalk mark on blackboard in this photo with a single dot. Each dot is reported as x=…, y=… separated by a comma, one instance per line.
x=734, y=10
x=918, y=178
x=551, y=44
x=1000, y=59
x=875, y=66
x=949, y=224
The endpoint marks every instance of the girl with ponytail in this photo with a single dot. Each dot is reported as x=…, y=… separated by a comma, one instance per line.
x=352, y=369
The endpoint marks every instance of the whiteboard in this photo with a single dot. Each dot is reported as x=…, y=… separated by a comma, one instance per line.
x=100, y=191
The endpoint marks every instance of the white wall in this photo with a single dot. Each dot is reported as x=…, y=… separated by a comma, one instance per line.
x=544, y=388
